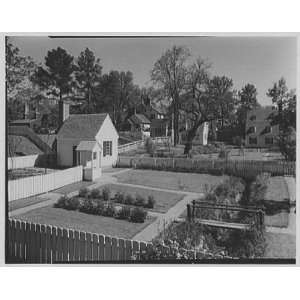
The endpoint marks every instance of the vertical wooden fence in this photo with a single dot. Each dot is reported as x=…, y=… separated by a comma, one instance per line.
x=246, y=169
x=34, y=185
x=36, y=243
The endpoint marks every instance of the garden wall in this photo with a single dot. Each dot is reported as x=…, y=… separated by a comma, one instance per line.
x=246, y=169
x=30, y=186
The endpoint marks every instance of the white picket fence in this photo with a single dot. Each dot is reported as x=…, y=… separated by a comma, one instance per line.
x=34, y=185
x=136, y=144
x=21, y=161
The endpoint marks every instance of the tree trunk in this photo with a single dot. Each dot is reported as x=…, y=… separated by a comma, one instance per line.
x=189, y=139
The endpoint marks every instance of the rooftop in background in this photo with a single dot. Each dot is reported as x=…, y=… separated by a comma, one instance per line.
x=261, y=113
x=82, y=126
x=22, y=146
x=139, y=119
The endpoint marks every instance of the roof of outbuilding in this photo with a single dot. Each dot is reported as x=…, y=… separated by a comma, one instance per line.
x=139, y=119
x=86, y=146
x=20, y=145
x=82, y=126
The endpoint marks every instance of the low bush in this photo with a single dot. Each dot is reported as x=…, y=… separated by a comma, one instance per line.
x=101, y=208
x=120, y=197
x=87, y=206
x=108, y=211
x=61, y=202
x=150, y=146
x=139, y=201
x=83, y=192
x=258, y=188
x=138, y=215
x=106, y=194
x=123, y=213
x=67, y=203
x=224, y=153
x=150, y=202
x=95, y=194
x=129, y=199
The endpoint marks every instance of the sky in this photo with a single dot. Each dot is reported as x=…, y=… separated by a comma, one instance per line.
x=257, y=60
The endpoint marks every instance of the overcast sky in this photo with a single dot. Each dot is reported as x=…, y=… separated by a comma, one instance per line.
x=257, y=60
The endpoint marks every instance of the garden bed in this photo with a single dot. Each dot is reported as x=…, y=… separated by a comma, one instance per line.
x=163, y=200
x=85, y=222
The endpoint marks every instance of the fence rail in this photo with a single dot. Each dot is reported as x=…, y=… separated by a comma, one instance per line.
x=34, y=185
x=37, y=243
x=245, y=169
x=136, y=144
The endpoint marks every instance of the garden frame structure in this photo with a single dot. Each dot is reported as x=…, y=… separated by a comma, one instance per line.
x=257, y=212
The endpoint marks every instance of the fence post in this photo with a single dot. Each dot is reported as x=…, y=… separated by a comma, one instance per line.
x=194, y=207
x=188, y=206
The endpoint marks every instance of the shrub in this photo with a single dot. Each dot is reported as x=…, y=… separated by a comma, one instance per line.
x=87, y=206
x=95, y=194
x=223, y=154
x=138, y=215
x=83, y=192
x=123, y=213
x=120, y=197
x=108, y=211
x=129, y=199
x=99, y=208
x=139, y=200
x=150, y=202
x=258, y=188
x=150, y=146
x=73, y=203
x=61, y=202
x=106, y=194
x=67, y=203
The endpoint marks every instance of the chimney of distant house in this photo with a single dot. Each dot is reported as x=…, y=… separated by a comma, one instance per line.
x=63, y=112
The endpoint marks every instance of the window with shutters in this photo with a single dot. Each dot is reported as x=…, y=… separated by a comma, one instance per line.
x=107, y=148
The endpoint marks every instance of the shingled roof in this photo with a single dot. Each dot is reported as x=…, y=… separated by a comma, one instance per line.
x=82, y=126
x=139, y=119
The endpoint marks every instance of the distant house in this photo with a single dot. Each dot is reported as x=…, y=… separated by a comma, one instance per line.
x=139, y=123
x=259, y=132
x=90, y=140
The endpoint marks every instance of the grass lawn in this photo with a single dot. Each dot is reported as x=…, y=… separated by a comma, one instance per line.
x=171, y=180
x=20, y=203
x=80, y=221
x=280, y=245
x=72, y=187
x=164, y=200
x=277, y=189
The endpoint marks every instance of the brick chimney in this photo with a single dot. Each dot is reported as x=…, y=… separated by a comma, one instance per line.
x=63, y=112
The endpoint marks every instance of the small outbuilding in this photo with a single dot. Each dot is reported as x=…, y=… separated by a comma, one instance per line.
x=90, y=140
x=140, y=123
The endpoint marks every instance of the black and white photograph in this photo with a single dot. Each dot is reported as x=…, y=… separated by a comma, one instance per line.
x=150, y=149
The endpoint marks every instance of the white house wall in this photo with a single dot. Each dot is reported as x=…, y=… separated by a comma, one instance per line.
x=108, y=133
x=65, y=151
